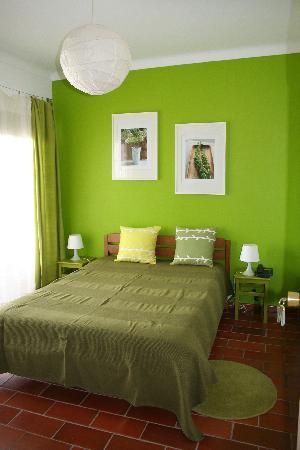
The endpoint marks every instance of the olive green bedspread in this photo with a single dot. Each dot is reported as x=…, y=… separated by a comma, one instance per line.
x=139, y=332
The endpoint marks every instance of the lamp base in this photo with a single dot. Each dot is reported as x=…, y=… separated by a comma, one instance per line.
x=75, y=257
x=249, y=271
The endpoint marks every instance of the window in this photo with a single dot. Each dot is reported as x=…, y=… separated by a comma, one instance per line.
x=17, y=227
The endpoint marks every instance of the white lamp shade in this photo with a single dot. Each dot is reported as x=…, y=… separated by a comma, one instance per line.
x=95, y=60
x=75, y=242
x=249, y=253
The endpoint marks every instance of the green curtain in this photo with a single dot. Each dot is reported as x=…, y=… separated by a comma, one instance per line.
x=49, y=228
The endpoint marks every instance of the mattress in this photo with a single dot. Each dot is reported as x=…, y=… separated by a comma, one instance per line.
x=138, y=332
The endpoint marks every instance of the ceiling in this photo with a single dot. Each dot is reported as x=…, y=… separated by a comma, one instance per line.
x=159, y=32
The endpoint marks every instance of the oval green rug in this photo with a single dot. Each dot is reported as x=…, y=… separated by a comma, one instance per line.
x=241, y=392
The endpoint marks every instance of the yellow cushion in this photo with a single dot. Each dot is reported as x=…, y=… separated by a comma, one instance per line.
x=138, y=244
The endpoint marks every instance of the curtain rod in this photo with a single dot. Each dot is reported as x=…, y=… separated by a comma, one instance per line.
x=19, y=91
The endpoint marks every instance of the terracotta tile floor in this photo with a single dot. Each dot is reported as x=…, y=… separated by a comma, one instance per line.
x=35, y=415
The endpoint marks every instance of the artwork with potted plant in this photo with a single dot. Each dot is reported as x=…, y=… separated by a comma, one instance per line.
x=134, y=146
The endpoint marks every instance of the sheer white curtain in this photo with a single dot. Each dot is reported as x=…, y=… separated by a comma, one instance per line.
x=17, y=226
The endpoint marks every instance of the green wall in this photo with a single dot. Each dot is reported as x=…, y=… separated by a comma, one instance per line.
x=292, y=254
x=251, y=95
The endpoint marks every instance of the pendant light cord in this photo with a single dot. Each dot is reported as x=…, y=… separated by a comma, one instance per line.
x=92, y=18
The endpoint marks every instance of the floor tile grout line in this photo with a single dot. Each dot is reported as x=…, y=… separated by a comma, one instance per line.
x=255, y=446
x=50, y=399
x=103, y=429
x=48, y=384
x=76, y=446
x=84, y=398
x=43, y=390
x=108, y=442
x=24, y=391
x=143, y=431
x=57, y=402
x=134, y=418
x=93, y=420
x=122, y=415
x=13, y=393
x=40, y=413
x=127, y=410
x=45, y=412
x=269, y=429
x=38, y=435
x=10, y=398
x=114, y=433
x=19, y=412
x=140, y=438
x=55, y=433
x=150, y=442
x=28, y=431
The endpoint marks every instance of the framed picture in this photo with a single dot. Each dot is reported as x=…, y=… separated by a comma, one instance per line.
x=134, y=152
x=200, y=158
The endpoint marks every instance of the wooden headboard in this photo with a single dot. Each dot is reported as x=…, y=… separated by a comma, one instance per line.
x=165, y=248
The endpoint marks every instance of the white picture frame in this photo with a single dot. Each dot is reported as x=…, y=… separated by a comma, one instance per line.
x=200, y=158
x=132, y=160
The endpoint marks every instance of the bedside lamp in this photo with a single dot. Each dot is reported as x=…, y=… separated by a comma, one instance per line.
x=249, y=254
x=75, y=243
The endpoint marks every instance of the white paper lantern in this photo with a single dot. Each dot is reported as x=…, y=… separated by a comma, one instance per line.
x=95, y=60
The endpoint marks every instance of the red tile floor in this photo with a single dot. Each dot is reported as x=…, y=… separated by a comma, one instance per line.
x=36, y=415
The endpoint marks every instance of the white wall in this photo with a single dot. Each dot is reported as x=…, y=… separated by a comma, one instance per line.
x=20, y=75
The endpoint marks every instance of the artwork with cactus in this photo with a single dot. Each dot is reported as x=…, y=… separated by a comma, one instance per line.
x=200, y=150
x=200, y=162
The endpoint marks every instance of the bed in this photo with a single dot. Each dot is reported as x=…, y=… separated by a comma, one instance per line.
x=134, y=331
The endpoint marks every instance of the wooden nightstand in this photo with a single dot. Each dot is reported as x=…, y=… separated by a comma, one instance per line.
x=67, y=265
x=251, y=287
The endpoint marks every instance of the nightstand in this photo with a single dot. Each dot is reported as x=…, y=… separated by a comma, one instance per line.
x=251, y=287
x=67, y=265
